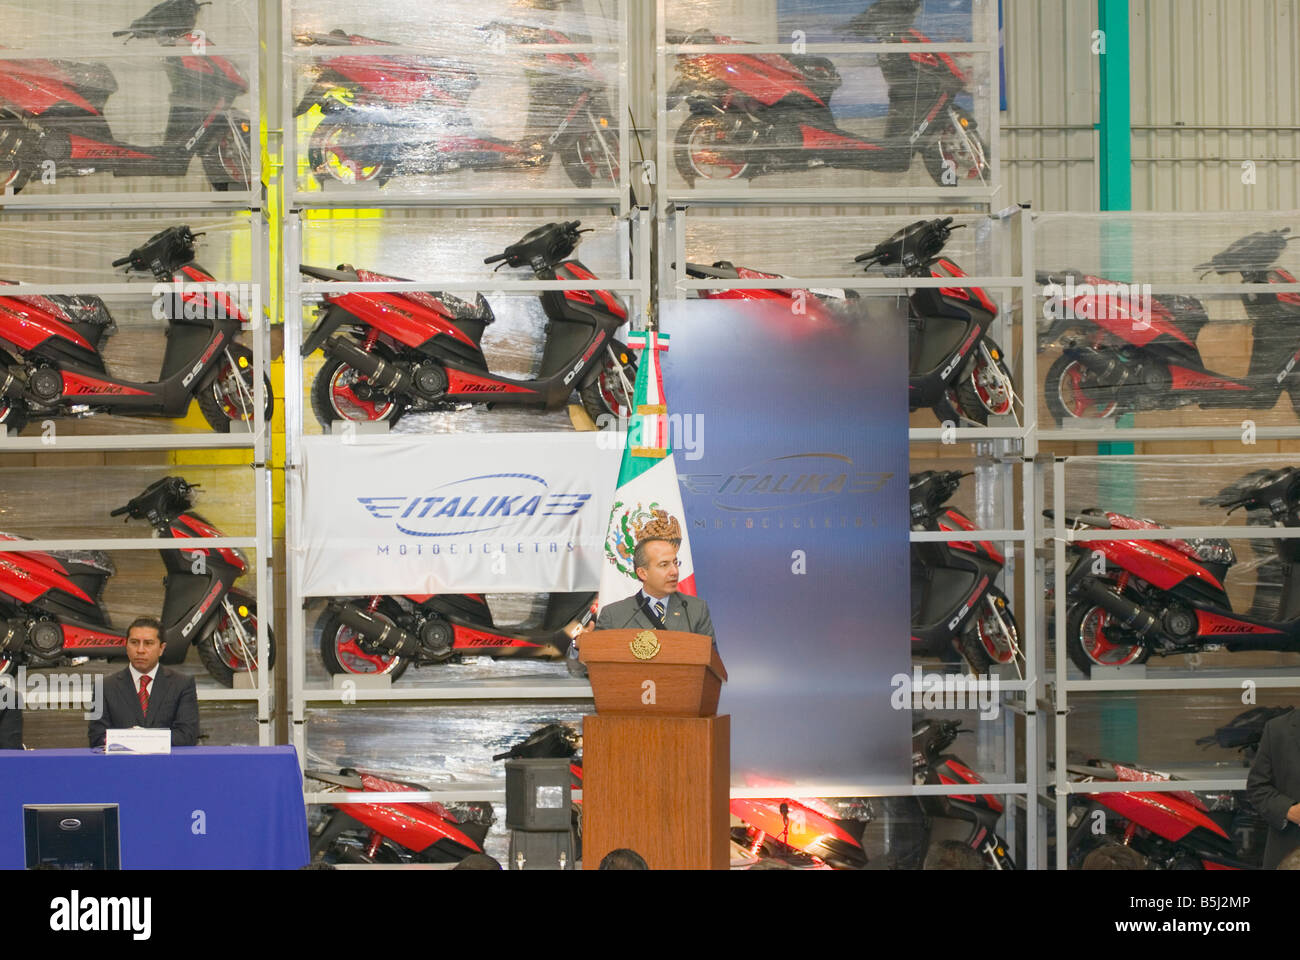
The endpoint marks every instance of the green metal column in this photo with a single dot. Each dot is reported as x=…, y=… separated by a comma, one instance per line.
x=1119, y=715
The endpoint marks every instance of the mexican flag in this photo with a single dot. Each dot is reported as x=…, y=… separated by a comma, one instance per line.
x=648, y=501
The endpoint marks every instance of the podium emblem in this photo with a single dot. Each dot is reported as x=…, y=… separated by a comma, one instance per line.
x=645, y=645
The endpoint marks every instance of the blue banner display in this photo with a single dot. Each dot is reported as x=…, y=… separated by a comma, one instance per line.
x=794, y=485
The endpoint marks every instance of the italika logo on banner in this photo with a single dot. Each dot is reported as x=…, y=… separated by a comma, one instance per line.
x=648, y=502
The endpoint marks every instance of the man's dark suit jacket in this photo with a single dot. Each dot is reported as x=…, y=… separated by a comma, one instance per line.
x=1273, y=785
x=685, y=613
x=173, y=703
x=11, y=728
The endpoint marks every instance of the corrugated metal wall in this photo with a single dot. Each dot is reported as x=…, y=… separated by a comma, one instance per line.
x=1048, y=141
x=1215, y=83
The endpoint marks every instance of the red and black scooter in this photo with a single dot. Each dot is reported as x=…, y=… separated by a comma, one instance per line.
x=423, y=832
x=954, y=367
x=408, y=115
x=421, y=351
x=1181, y=830
x=386, y=635
x=1117, y=359
x=51, y=366
x=839, y=833
x=1166, y=597
x=52, y=111
x=51, y=604
x=956, y=604
x=753, y=114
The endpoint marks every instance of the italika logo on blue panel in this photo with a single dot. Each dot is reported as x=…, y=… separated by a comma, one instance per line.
x=491, y=502
x=796, y=480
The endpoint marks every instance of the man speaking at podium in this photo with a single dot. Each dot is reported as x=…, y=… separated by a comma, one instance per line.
x=657, y=605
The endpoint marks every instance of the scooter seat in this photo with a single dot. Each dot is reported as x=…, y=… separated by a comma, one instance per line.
x=341, y=275
x=86, y=561
x=75, y=561
x=92, y=79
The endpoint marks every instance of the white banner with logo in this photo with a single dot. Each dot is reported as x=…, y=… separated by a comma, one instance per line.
x=479, y=513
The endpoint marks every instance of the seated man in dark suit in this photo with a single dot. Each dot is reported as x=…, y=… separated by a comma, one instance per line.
x=147, y=694
x=657, y=605
x=1273, y=786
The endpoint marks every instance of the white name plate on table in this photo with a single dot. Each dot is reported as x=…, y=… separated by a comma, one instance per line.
x=138, y=740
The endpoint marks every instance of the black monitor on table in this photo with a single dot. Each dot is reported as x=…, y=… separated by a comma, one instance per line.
x=66, y=836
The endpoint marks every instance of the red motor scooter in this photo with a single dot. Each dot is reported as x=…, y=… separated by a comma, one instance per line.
x=52, y=111
x=52, y=609
x=386, y=635
x=408, y=115
x=422, y=832
x=753, y=114
x=51, y=365
x=1166, y=597
x=1181, y=830
x=1119, y=358
x=421, y=351
x=956, y=603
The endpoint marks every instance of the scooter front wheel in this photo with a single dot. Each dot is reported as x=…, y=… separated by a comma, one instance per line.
x=342, y=652
x=593, y=157
x=228, y=161
x=609, y=394
x=231, y=647
x=994, y=636
x=226, y=394
x=341, y=392
x=986, y=388
x=957, y=153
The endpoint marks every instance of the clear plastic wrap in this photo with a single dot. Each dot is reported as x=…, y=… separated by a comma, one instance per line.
x=1128, y=320
x=786, y=117
x=159, y=98
x=448, y=249
x=123, y=342
x=1130, y=492
x=332, y=649
x=75, y=502
x=833, y=21
x=457, y=102
x=451, y=748
x=1168, y=735
x=718, y=245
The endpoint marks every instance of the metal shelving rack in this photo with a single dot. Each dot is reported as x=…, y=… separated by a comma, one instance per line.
x=1004, y=446
x=143, y=203
x=257, y=440
x=633, y=283
x=1052, y=537
x=634, y=251
x=1055, y=535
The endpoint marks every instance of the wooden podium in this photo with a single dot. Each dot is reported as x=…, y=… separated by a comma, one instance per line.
x=656, y=758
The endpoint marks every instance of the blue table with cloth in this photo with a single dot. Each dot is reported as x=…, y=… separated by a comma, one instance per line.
x=197, y=808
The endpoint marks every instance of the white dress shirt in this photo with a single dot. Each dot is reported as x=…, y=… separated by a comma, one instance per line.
x=136, y=675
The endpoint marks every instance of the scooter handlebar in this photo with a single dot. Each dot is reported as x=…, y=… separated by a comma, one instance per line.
x=913, y=246
x=548, y=244
x=1249, y=254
